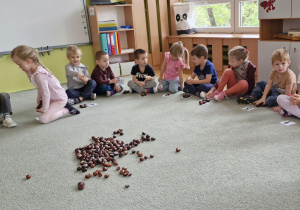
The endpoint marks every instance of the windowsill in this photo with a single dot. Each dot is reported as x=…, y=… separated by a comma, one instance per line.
x=215, y=35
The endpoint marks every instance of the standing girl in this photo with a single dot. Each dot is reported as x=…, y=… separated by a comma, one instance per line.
x=239, y=78
x=171, y=74
x=51, y=98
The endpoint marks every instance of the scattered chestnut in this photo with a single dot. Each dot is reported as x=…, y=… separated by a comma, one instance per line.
x=145, y=157
x=143, y=133
x=85, y=105
x=99, y=174
x=121, y=134
x=106, y=176
x=88, y=176
x=140, y=154
x=141, y=159
x=207, y=100
x=152, y=156
x=126, y=186
x=104, y=168
x=118, y=168
x=95, y=173
x=177, y=149
x=81, y=106
x=133, y=151
x=28, y=176
x=153, y=138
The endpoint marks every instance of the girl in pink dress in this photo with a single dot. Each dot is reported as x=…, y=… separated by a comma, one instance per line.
x=51, y=98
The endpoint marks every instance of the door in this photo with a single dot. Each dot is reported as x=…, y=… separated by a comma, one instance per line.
x=265, y=50
x=275, y=9
x=295, y=8
x=295, y=57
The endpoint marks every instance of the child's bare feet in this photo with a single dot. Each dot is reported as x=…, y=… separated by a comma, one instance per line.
x=277, y=109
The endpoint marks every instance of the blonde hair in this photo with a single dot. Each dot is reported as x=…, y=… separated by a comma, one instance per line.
x=280, y=55
x=178, y=50
x=239, y=53
x=73, y=50
x=24, y=52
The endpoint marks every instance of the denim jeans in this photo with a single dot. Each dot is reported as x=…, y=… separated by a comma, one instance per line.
x=85, y=92
x=196, y=88
x=170, y=85
x=101, y=89
x=5, y=106
x=271, y=99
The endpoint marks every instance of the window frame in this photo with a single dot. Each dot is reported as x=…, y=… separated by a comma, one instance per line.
x=235, y=18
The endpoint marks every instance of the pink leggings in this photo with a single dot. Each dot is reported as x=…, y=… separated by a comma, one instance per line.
x=233, y=87
x=284, y=102
x=55, y=111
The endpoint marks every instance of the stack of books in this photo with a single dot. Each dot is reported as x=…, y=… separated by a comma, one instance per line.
x=107, y=25
x=110, y=43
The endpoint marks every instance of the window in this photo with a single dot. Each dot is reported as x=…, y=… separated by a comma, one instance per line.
x=226, y=16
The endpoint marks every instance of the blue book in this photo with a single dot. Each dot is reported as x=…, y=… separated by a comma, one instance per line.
x=108, y=28
x=108, y=43
x=103, y=41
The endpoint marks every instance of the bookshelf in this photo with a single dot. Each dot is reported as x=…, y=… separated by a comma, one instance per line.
x=123, y=15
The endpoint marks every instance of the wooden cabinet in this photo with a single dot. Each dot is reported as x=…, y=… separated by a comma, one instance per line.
x=276, y=9
x=123, y=15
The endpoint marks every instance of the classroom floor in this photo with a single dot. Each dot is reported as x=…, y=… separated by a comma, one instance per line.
x=230, y=158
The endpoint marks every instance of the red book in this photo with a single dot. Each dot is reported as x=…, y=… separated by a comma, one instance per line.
x=112, y=43
x=119, y=43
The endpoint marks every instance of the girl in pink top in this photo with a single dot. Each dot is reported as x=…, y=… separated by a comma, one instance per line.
x=171, y=74
x=51, y=98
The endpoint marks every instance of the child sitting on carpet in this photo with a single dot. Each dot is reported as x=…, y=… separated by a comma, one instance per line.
x=51, y=98
x=143, y=76
x=5, y=111
x=239, y=78
x=80, y=85
x=171, y=74
x=204, y=70
x=106, y=81
x=282, y=80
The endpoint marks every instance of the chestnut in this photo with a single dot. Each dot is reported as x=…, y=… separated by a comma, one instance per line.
x=143, y=133
x=104, y=168
x=95, y=173
x=152, y=156
x=140, y=154
x=153, y=138
x=126, y=186
x=177, y=149
x=133, y=151
x=99, y=174
x=81, y=106
x=88, y=176
x=141, y=159
x=145, y=157
x=106, y=176
x=28, y=176
x=118, y=168
x=85, y=105
x=121, y=134
x=207, y=100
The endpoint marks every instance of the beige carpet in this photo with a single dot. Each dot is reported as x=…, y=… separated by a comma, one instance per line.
x=229, y=159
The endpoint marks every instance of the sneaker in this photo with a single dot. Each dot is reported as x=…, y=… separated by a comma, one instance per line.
x=132, y=90
x=109, y=93
x=220, y=96
x=8, y=122
x=160, y=87
x=179, y=88
x=93, y=96
x=151, y=90
x=284, y=113
x=71, y=109
x=246, y=100
x=71, y=101
x=202, y=94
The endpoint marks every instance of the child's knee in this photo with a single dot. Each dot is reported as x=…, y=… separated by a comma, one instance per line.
x=173, y=89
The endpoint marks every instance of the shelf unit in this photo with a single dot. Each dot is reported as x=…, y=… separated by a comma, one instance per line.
x=123, y=15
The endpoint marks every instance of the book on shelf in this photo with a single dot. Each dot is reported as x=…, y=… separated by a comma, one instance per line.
x=107, y=25
x=130, y=50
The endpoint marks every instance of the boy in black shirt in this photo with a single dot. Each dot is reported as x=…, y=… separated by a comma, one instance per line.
x=143, y=76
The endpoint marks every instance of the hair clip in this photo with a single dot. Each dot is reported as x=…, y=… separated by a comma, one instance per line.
x=246, y=50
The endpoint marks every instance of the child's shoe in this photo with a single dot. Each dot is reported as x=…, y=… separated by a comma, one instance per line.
x=220, y=96
x=246, y=100
x=151, y=90
x=160, y=87
x=73, y=101
x=284, y=113
x=132, y=90
x=202, y=94
x=93, y=96
x=8, y=122
x=71, y=109
x=110, y=93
